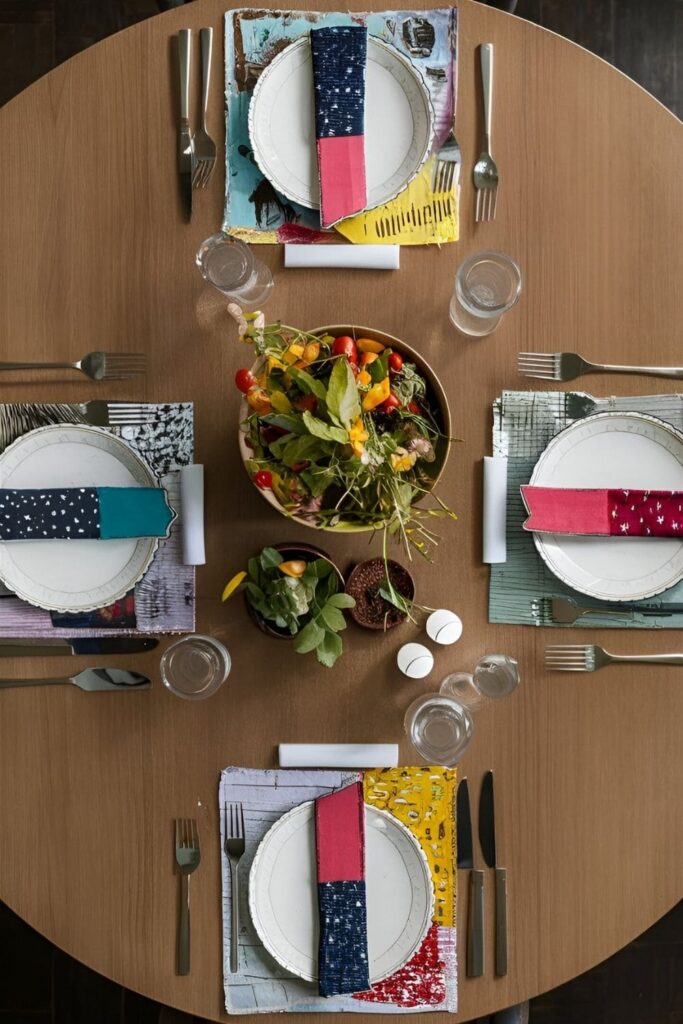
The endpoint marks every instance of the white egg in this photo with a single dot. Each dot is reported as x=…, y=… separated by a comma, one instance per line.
x=444, y=626
x=415, y=660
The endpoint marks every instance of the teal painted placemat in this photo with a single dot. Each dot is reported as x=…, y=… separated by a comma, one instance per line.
x=521, y=588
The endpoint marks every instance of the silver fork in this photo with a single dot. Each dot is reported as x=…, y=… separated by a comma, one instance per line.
x=590, y=657
x=187, y=855
x=564, y=611
x=570, y=365
x=447, y=159
x=234, y=848
x=485, y=170
x=116, y=414
x=96, y=365
x=204, y=146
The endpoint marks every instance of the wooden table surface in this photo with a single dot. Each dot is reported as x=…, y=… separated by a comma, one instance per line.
x=588, y=768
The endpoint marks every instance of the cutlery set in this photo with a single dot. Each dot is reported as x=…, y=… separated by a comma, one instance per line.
x=196, y=153
x=565, y=611
x=466, y=860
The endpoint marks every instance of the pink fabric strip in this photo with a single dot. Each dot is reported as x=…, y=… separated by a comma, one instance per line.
x=341, y=165
x=340, y=835
x=566, y=510
x=619, y=512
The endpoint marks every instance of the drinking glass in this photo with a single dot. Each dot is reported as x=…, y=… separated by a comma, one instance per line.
x=195, y=667
x=230, y=266
x=494, y=676
x=486, y=286
x=439, y=728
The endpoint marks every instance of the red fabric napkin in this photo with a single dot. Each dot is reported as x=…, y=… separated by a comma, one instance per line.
x=609, y=513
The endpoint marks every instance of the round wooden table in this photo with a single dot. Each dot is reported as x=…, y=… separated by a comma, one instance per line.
x=588, y=768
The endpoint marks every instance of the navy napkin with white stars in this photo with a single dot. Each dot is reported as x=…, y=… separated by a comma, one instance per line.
x=84, y=513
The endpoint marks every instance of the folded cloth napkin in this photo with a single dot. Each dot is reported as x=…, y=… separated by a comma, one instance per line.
x=84, y=513
x=340, y=857
x=339, y=56
x=604, y=512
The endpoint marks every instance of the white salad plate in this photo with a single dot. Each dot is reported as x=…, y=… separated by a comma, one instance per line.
x=613, y=450
x=399, y=123
x=79, y=575
x=283, y=897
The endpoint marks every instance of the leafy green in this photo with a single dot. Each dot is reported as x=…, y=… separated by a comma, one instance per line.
x=379, y=368
x=342, y=601
x=308, y=384
x=342, y=394
x=309, y=638
x=323, y=430
x=329, y=649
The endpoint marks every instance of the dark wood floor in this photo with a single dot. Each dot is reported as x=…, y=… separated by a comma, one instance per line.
x=643, y=984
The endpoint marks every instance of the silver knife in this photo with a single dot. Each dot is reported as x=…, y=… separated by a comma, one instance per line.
x=475, y=907
x=75, y=645
x=185, y=144
x=91, y=679
x=487, y=841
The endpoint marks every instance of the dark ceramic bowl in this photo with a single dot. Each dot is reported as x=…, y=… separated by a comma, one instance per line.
x=372, y=611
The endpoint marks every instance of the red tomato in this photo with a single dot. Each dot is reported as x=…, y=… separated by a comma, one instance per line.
x=345, y=346
x=306, y=402
x=414, y=408
x=395, y=362
x=244, y=380
x=389, y=404
x=263, y=479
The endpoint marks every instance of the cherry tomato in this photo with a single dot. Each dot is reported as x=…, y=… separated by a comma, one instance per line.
x=244, y=380
x=306, y=403
x=263, y=479
x=414, y=408
x=389, y=404
x=345, y=346
x=395, y=362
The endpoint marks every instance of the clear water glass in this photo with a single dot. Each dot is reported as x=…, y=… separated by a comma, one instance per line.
x=487, y=285
x=195, y=667
x=494, y=676
x=439, y=728
x=230, y=266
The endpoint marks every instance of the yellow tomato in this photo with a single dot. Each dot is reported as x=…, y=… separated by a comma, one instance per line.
x=369, y=345
x=295, y=568
x=364, y=378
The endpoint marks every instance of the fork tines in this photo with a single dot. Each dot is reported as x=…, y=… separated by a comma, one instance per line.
x=123, y=365
x=234, y=821
x=542, y=365
x=444, y=176
x=121, y=414
x=487, y=201
x=186, y=834
x=570, y=658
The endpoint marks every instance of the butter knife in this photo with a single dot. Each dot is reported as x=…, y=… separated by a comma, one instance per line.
x=185, y=144
x=90, y=679
x=75, y=645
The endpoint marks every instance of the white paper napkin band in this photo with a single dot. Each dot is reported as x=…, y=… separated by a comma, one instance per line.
x=192, y=514
x=495, y=509
x=338, y=755
x=350, y=257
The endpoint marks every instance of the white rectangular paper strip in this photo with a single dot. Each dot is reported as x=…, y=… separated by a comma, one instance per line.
x=349, y=257
x=338, y=755
x=495, y=509
x=192, y=519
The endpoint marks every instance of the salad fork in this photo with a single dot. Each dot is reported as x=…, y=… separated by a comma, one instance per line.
x=234, y=848
x=187, y=855
x=590, y=657
x=570, y=365
x=204, y=146
x=96, y=365
x=485, y=170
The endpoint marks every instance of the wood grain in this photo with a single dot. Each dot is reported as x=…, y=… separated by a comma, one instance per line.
x=588, y=768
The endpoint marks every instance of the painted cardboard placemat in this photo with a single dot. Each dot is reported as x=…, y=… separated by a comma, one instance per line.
x=254, y=211
x=521, y=588
x=422, y=799
x=164, y=599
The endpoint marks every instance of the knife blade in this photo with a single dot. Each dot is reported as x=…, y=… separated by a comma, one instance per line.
x=185, y=143
x=475, y=906
x=93, y=680
x=22, y=648
x=487, y=841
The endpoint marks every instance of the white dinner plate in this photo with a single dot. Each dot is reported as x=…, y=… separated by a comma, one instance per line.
x=63, y=575
x=399, y=123
x=283, y=893
x=613, y=450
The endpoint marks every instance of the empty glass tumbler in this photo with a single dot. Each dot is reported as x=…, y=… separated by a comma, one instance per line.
x=439, y=728
x=195, y=667
x=230, y=266
x=486, y=286
x=494, y=676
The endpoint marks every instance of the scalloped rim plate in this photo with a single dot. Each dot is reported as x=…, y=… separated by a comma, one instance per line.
x=283, y=893
x=74, y=576
x=399, y=124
